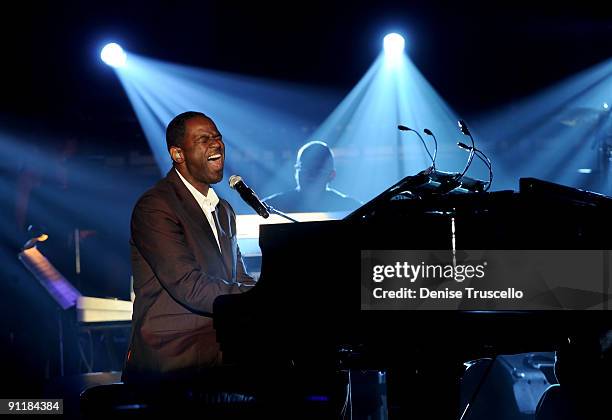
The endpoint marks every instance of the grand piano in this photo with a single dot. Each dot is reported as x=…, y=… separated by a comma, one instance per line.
x=306, y=309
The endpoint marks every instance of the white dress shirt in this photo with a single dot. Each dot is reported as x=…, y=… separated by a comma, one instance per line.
x=206, y=202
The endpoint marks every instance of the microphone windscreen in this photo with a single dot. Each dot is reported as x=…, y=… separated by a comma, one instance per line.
x=233, y=180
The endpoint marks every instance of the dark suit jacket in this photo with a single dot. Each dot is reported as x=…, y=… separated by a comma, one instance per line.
x=178, y=272
x=295, y=201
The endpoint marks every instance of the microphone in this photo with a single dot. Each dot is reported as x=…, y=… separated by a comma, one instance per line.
x=433, y=159
x=248, y=195
x=463, y=127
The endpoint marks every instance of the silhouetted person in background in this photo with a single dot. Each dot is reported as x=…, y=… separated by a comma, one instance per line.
x=583, y=370
x=314, y=171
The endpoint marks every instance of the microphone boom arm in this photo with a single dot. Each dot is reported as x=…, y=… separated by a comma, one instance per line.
x=278, y=212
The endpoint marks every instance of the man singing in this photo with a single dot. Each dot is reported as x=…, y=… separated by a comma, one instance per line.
x=184, y=254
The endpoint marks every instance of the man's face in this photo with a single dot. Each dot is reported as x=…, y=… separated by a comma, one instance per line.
x=203, y=150
x=313, y=180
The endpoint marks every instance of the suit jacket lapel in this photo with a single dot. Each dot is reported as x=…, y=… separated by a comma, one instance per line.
x=195, y=213
x=224, y=232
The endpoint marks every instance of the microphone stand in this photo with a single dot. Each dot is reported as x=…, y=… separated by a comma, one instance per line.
x=278, y=212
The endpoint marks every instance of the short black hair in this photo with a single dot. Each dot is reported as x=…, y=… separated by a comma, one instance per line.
x=175, y=132
x=315, y=155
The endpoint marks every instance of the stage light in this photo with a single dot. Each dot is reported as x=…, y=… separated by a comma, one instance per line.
x=393, y=44
x=113, y=55
x=605, y=105
x=37, y=234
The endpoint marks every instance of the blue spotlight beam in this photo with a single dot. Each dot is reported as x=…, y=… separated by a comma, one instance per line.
x=362, y=129
x=262, y=121
x=555, y=133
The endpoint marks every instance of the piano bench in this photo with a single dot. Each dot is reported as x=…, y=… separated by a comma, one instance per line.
x=137, y=401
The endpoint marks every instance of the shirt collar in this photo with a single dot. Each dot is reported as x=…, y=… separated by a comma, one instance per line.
x=208, y=202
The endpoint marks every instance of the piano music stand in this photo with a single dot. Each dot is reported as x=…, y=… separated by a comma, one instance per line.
x=91, y=313
x=60, y=289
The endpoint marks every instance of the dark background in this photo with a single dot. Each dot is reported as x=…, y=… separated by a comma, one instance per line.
x=478, y=55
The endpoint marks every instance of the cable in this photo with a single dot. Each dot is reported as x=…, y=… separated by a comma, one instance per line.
x=348, y=401
x=470, y=159
x=480, y=154
x=465, y=130
x=488, y=164
x=435, y=155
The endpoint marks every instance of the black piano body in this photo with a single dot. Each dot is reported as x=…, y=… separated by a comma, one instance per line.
x=305, y=309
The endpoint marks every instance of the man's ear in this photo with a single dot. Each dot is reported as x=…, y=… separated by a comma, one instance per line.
x=176, y=154
x=331, y=176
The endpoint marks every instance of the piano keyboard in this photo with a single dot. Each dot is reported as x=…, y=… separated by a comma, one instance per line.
x=92, y=309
